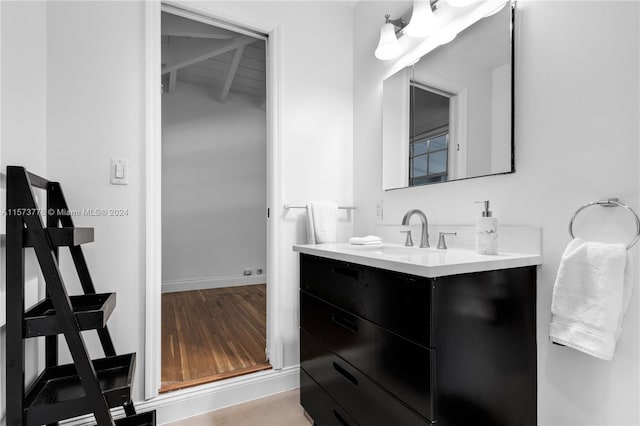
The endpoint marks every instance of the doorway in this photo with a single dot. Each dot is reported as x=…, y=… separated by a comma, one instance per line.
x=214, y=202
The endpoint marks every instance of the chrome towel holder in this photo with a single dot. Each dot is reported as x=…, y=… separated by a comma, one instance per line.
x=610, y=202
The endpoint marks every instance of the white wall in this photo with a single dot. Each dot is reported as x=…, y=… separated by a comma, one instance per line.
x=96, y=111
x=95, y=88
x=213, y=187
x=316, y=110
x=22, y=138
x=576, y=140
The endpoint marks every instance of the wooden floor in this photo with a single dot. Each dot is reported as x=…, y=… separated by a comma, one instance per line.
x=214, y=334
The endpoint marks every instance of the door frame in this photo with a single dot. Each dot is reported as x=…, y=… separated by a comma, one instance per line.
x=153, y=179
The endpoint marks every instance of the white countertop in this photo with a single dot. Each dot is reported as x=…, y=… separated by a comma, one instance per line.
x=424, y=262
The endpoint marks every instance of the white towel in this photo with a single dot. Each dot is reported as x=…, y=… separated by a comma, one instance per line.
x=321, y=222
x=366, y=241
x=590, y=297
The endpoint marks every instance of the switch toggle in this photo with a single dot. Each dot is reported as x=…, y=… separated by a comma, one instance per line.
x=119, y=171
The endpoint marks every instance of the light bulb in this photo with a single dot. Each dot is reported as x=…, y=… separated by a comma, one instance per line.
x=388, y=46
x=460, y=3
x=422, y=19
x=445, y=35
x=500, y=4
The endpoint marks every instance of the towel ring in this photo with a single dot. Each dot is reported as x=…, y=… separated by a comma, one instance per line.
x=610, y=202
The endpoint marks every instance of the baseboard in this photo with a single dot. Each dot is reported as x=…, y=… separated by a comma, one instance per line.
x=191, y=402
x=212, y=282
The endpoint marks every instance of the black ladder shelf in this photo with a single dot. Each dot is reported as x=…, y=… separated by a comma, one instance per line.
x=60, y=391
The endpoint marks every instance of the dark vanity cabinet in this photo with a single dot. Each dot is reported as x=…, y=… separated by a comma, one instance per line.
x=385, y=348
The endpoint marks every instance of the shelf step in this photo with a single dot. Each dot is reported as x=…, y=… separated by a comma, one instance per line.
x=91, y=311
x=57, y=393
x=61, y=237
x=140, y=419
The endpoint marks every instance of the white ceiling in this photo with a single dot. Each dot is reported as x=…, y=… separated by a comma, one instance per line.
x=221, y=60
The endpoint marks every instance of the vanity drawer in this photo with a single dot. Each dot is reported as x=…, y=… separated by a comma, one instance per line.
x=337, y=282
x=404, y=368
x=320, y=406
x=367, y=402
x=400, y=302
x=348, y=335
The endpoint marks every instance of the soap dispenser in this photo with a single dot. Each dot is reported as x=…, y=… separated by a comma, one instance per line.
x=486, y=231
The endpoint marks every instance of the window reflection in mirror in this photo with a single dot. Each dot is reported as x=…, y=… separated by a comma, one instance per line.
x=449, y=116
x=429, y=138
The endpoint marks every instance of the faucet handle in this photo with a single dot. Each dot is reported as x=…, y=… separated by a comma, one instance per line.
x=442, y=244
x=409, y=241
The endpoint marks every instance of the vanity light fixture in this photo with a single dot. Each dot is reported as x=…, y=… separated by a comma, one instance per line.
x=424, y=24
x=389, y=46
x=420, y=25
x=422, y=20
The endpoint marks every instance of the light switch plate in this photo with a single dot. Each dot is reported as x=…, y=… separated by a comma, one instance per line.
x=119, y=174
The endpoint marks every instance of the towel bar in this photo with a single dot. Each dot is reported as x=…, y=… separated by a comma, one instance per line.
x=609, y=202
x=289, y=206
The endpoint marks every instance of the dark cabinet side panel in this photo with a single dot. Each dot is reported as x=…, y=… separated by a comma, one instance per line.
x=485, y=332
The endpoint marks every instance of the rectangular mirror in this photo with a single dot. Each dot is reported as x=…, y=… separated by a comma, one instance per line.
x=450, y=115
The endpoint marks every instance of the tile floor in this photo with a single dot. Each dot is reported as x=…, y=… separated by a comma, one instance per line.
x=282, y=409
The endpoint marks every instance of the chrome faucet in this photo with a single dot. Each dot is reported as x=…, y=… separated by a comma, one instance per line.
x=424, y=238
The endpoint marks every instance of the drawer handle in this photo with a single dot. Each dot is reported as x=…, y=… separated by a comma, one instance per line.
x=347, y=272
x=340, y=418
x=350, y=325
x=345, y=373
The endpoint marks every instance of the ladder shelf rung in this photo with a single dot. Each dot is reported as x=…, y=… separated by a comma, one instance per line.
x=91, y=311
x=37, y=181
x=58, y=393
x=61, y=237
x=141, y=419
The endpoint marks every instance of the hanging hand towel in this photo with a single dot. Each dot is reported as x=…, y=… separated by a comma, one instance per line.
x=321, y=222
x=590, y=297
x=311, y=230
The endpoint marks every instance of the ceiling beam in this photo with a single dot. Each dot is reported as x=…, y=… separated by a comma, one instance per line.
x=234, y=44
x=173, y=76
x=194, y=34
x=173, y=25
x=231, y=74
x=178, y=49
